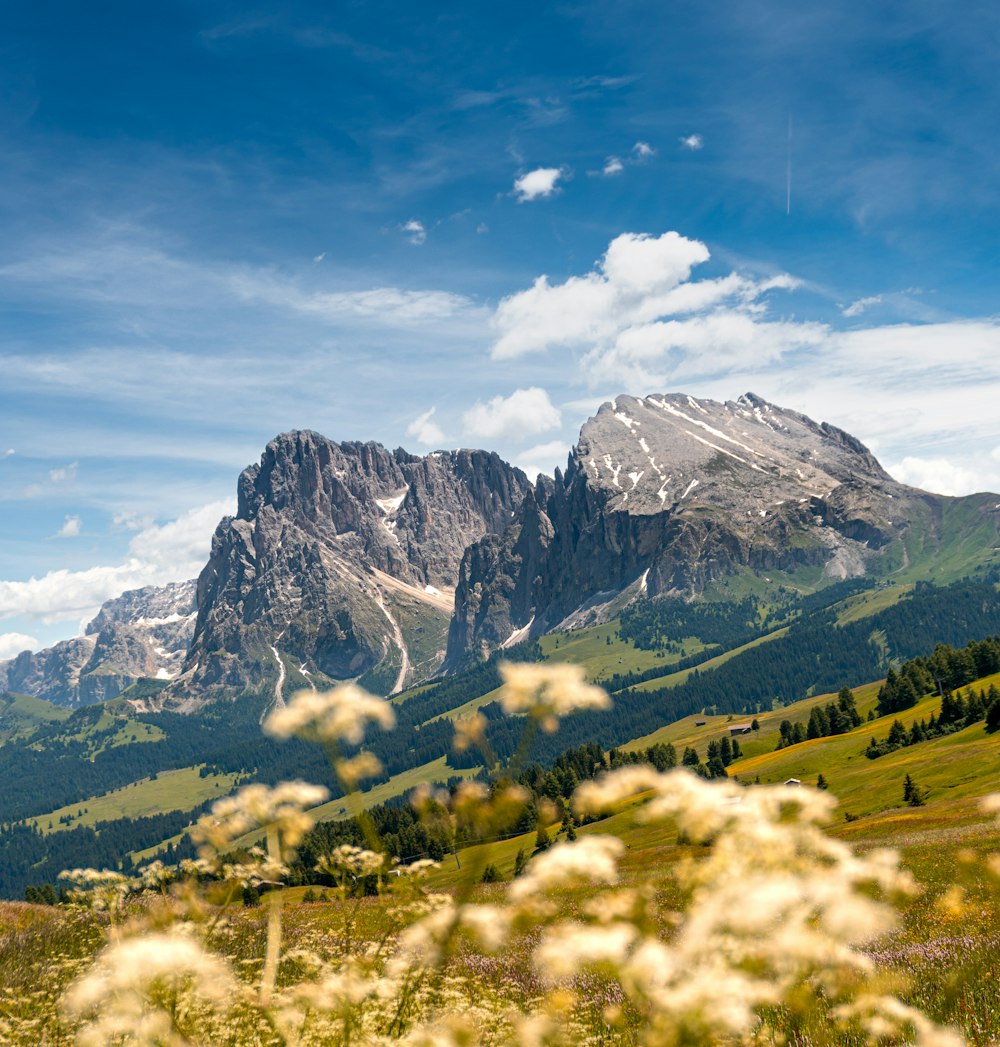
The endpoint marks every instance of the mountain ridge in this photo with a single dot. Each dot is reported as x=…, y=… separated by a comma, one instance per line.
x=668, y=495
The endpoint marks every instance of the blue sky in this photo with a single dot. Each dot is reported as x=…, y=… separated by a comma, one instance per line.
x=445, y=225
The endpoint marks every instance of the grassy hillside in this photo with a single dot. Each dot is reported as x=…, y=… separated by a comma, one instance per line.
x=22, y=714
x=177, y=790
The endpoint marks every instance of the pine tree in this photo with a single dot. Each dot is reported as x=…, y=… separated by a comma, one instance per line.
x=520, y=861
x=821, y=783
x=542, y=840
x=726, y=751
x=913, y=794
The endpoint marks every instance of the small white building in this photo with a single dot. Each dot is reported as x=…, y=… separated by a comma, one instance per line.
x=793, y=781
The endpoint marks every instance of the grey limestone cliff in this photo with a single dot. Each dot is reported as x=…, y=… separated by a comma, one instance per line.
x=668, y=494
x=341, y=563
x=142, y=633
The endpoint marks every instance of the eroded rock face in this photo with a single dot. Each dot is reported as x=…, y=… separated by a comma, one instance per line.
x=142, y=633
x=341, y=561
x=665, y=495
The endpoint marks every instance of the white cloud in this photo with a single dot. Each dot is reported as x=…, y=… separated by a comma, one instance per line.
x=643, y=150
x=537, y=184
x=614, y=166
x=171, y=552
x=128, y=520
x=692, y=142
x=319, y=258
x=482, y=228
x=858, y=307
x=945, y=476
x=415, y=231
x=12, y=644
x=524, y=413
x=640, y=279
x=7, y=453
x=64, y=474
x=424, y=431
x=388, y=306
x=70, y=528
x=544, y=457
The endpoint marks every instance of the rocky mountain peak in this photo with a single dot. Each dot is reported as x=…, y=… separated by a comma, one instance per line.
x=667, y=494
x=341, y=562
x=142, y=633
x=661, y=451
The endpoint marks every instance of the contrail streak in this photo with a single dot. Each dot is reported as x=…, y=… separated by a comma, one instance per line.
x=788, y=170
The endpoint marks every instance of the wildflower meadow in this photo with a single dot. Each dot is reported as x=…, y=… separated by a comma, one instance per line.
x=754, y=926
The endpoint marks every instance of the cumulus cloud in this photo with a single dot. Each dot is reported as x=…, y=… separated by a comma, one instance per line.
x=537, y=184
x=7, y=453
x=945, y=476
x=618, y=310
x=158, y=554
x=544, y=457
x=613, y=166
x=12, y=644
x=858, y=307
x=424, y=431
x=692, y=142
x=70, y=528
x=415, y=231
x=643, y=151
x=64, y=474
x=525, y=412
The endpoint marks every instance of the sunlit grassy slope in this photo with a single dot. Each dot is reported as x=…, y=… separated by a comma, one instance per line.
x=179, y=790
x=21, y=713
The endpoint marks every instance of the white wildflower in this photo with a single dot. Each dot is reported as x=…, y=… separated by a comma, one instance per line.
x=355, y=861
x=567, y=948
x=329, y=716
x=357, y=768
x=885, y=1016
x=590, y=859
x=156, y=875
x=490, y=924
x=263, y=870
x=548, y=691
x=605, y=793
x=127, y=993
x=94, y=877
x=469, y=731
x=258, y=806
x=419, y=868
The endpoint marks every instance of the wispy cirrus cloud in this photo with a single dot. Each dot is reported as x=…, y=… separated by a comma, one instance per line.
x=856, y=308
